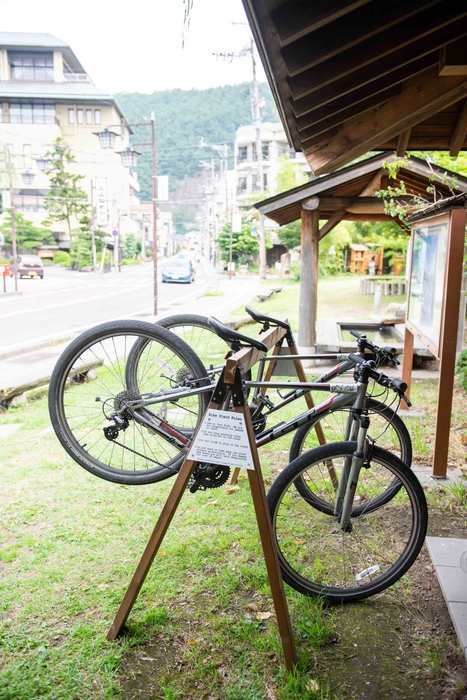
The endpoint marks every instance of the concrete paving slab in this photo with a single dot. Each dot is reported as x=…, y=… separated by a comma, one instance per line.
x=453, y=582
x=449, y=556
x=8, y=429
x=446, y=551
x=458, y=613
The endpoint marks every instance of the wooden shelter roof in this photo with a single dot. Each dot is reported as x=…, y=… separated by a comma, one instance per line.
x=353, y=76
x=350, y=191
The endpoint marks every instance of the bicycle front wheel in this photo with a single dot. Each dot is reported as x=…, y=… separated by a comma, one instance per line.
x=198, y=334
x=93, y=401
x=386, y=427
x=317, y=557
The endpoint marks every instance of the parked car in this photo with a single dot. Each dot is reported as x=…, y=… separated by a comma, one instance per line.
x=178, y=270
x=29, y=266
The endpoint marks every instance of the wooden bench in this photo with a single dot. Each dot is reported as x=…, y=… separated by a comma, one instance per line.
x=78, y=375
x=263, y=295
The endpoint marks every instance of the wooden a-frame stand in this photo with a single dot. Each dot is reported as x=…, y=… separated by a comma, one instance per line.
x=229, y=388
x=308, y=398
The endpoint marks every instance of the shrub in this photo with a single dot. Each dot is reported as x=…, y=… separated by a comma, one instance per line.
x=461, y=369
x=62, y=258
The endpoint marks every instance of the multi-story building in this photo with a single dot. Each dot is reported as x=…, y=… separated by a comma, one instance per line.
x=45, y=93
x=274, y=149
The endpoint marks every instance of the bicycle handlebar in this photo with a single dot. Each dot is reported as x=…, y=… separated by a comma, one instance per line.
x=387, y=352
x=396, y=385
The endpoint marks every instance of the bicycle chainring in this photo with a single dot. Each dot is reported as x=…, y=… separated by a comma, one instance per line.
x=209, y=476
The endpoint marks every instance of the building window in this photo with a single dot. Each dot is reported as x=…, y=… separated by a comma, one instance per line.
x=89, y=116
x=241, y=185
x=242, y=154
x=30, y=200
x=79, y=116
x=255, y=155
x=265, y=181
x=255, y=183
x=265, y=149
x=71, y=116
x=97, y=116
x=31, y=113
x=27, y=65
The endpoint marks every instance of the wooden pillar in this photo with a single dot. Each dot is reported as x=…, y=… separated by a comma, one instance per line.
x=308, y=302
x=448, y=338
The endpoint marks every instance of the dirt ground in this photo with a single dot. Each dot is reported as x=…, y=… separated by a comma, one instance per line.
x=400, y=644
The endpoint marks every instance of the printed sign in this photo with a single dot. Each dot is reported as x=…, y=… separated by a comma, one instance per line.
x=222, y=439
x=101, y=205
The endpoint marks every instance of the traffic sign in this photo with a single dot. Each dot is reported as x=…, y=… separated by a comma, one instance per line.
x=115, y=232
x=2, y=239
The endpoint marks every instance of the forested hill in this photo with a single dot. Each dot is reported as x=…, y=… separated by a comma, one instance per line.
x=183, y=118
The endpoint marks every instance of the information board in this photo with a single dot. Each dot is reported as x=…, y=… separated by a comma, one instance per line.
x=222, y=439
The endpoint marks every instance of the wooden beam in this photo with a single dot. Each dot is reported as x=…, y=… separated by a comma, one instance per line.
x=420, y=100
x=346, y=32
x=459, y=134
x=331, y=223
x=371, y=205
x=453, y=59
x=374, y=185
x=307, y=305
x=393, y=50
x=316, y=125
x=344, y=93
x=298, y=18
x=402, y=143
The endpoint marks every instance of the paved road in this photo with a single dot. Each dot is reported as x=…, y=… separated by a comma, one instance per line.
x=66, y=302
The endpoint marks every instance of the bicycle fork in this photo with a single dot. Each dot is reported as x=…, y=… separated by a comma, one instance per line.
x=350, y=475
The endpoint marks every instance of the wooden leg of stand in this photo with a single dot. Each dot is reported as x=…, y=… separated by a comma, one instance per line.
x=153, y=545
x=318, y=428
x=270, y=550
x=263, y=390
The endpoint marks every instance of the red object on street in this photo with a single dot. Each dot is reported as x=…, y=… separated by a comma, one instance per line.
x=5, y=270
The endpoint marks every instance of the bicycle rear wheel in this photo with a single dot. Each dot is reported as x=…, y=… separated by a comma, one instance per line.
x=196, y=332
x=386, y=427
x=318, y=558
x=93, y=401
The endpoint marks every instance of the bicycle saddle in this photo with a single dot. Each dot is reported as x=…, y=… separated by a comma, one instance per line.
x=262, y=318
x=235, y=339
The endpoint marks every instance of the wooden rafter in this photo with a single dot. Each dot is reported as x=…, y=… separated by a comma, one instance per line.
x=300, y=17
x=422, y=98
x=460, y=132
x=366, y=22
x=403, y=142
x=390, y=52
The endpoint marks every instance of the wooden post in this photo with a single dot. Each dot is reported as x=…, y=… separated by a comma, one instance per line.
x=407, y=363
x=448, y=338
x=308, y=302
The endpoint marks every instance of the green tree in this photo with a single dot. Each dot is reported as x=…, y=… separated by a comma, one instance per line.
x=66, y=200
x=28, y=235
x=81, y=245
x=244, y=244
x=130, y=246
x=290, y=234
x=290, y=174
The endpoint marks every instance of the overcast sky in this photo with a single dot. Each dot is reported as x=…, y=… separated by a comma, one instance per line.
x=137, y=45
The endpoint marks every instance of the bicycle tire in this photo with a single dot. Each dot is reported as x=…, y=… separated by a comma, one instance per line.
x=199, y=335
x=89, y=385
x=318, y=558
x=385, y=424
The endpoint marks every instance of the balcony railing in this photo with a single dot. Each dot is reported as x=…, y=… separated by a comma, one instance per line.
x=76, y=77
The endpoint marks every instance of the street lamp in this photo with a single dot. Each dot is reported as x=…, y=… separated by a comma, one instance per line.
x=106, y=138
x=43, y=163
x=129, y=158
x=28, y=177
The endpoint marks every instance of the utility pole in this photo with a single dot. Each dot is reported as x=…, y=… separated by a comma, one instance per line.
x=93, y=230
x=13, y=234
x=256, y=114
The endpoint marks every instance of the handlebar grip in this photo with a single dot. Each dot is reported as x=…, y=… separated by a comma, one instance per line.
x=356, y=334
x=399, y=385
x=355, y=358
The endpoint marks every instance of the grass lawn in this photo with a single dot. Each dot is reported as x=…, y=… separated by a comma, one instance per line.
x=203, y=625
